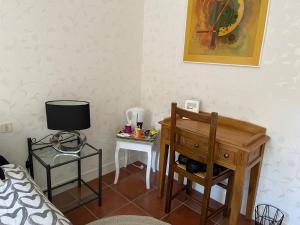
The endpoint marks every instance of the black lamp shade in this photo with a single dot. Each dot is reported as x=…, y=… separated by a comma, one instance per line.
x=68, y=115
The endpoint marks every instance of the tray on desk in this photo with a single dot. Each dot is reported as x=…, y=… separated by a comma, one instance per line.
x=145, y=138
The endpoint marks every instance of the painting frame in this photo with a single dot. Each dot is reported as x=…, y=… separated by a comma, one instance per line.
x=253, y=60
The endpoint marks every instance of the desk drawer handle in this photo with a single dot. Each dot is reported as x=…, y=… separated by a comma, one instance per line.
x=226, y=155
x=196, y=145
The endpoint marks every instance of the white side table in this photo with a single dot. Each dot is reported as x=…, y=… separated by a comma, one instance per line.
x=136, y=145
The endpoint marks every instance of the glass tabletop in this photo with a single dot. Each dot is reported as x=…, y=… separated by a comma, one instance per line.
x=48, y=156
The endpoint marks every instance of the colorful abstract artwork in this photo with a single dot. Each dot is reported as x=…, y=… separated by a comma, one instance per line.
x=225, y=31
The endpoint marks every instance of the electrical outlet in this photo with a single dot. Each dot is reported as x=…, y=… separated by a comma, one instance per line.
x=6, y=127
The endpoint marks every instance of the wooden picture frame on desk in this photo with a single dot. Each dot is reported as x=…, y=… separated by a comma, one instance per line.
x=240, y=146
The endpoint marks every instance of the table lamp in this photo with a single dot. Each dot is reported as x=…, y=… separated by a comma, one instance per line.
x=68, y=117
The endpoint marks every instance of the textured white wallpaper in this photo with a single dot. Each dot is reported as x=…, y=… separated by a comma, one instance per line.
x=268, y=96
x=68, y=49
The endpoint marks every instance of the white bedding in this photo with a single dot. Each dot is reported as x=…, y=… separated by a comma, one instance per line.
x=22, y=202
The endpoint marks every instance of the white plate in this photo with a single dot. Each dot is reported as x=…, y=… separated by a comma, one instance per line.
x=123, y=135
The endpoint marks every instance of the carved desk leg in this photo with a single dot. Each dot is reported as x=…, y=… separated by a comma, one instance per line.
x=163, y=157
x=253, y=184
x=237, y=193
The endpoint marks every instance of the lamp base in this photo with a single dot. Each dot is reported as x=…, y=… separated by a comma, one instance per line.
x=58, y=142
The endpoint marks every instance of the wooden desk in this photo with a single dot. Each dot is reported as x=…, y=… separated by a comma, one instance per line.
x=240, y=146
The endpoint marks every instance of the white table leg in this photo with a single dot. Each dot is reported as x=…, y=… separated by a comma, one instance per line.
x=154, y=161
x=149, y=163
x=125, y=158
x=117, y=163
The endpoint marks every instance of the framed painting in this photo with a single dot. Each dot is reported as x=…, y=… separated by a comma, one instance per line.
x=225, y=31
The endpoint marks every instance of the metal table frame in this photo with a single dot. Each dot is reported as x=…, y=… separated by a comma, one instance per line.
x=31, y=154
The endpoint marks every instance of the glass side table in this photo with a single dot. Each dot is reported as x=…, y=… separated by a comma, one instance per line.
x=49, y=158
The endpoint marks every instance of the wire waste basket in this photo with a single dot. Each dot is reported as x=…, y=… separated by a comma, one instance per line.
x=268, y=215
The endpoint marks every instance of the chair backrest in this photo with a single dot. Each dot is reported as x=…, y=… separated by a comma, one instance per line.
x=194, y=146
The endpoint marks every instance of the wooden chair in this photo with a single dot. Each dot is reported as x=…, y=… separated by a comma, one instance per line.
x=200, y=149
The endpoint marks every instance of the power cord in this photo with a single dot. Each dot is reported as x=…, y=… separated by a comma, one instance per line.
x=138, y=166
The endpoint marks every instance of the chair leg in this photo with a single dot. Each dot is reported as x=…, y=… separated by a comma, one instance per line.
x=226, y=212
x=117, y=163
x=149, y=161
x=125, y=158
x=169, y=190
x=154, y=161
x=205, y=204
x=188, y=186
x=180, y=179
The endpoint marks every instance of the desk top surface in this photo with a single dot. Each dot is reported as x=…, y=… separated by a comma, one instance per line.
x=229, y=131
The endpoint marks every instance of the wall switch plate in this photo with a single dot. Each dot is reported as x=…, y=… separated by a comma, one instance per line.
x=6, y=127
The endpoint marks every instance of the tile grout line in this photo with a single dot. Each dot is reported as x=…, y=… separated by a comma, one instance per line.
x=126, y=178
x=172, y=210
x=143, y=194
x=139, y=173
x=112, y=210
x=191, y=208
x=139, y=196
x=182, y=203
x=84, y=206
x=143, y=210
x=130, y=201
x=124, y=196
x=118, y=209
x=147, y=191
x=133, y=173
x=108, y=186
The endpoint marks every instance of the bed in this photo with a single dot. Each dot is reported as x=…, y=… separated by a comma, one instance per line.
x=22, y=201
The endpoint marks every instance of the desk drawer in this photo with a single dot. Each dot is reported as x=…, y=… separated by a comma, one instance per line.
x=226, y=156
x=196, y=145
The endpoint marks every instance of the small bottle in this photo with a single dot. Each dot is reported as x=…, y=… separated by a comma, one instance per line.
x=138, y=133
x=139, y=125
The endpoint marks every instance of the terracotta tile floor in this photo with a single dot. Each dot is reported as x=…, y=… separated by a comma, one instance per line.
x=130, y=197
